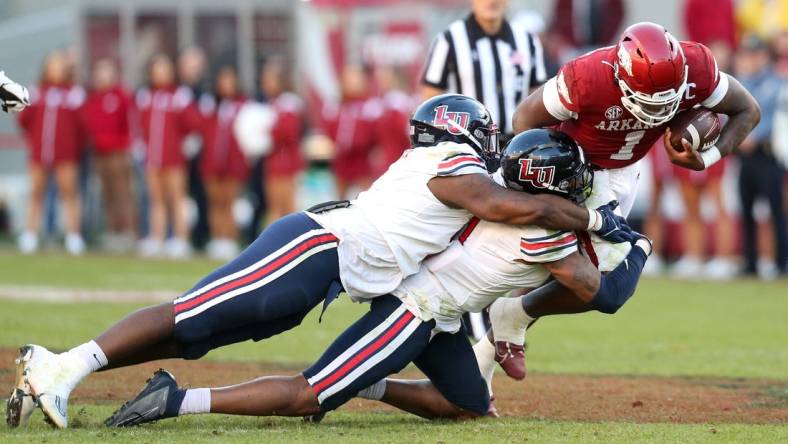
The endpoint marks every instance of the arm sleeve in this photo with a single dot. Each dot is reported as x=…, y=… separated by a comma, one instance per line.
x=560, y=94
x=438, y=64
x=616, y=287
x=542, y=245
x=712, y=83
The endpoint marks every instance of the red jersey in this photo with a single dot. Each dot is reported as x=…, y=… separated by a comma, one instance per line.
x=285, y=157
x=162, y=112
x=107, y=115
x=586, y=97
x=53, y=124
x=221, y=156
x=351, y=125
x=392, y=127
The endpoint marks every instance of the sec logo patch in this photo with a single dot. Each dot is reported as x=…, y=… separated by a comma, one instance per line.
x=614, y=112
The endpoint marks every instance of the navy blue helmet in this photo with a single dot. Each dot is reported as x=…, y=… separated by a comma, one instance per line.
x=547, y=161
x=455, y=118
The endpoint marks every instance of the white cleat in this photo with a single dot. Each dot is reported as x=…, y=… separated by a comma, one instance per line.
x=21, y=404
x=720, y=269
x=150, y=248
x=51, y=378
x=28, y=242
x=655, y=266
x=178, y=249
x=75, y=245
x=687, y=268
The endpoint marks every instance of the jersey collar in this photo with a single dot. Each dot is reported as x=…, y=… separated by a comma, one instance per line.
x=475, y=31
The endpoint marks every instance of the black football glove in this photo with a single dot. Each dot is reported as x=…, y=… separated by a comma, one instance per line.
x=610, y=226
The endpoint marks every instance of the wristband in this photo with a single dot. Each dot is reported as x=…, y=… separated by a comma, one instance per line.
x=711, y=156
x=594, y=220
x=644, y=245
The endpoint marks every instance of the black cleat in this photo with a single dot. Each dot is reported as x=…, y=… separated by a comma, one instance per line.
x=316, y=418
x=159, y=399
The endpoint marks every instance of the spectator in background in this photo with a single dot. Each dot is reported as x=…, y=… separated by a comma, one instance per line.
x=586, y=24
x=222, y=164
x=191, y=73
x=162, y=107
x=761, y=174
x=780, y=46
x=764, y=18
x=107, y=114
x=693, y=186
x=284, y=162
x=654, y=223
x=53, y=128
x=710, y=21
x=351, y=126
x=393, y=123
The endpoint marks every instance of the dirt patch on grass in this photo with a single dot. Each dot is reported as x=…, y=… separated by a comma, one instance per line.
x=556, y=397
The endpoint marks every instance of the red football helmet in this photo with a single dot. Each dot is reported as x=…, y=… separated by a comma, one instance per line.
x=651, y=71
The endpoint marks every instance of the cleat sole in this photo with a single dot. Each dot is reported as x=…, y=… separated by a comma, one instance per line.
x=21, y=401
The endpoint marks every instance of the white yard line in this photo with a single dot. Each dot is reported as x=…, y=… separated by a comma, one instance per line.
x=51, y=294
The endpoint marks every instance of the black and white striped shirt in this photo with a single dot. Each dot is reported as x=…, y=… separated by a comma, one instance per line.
x=498, y=70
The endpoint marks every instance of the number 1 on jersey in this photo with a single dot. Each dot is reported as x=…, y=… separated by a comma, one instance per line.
x=632, y=138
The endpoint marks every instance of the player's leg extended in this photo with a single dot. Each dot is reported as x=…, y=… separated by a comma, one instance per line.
x=263, y=286
x=382, y=342
x=455, y=388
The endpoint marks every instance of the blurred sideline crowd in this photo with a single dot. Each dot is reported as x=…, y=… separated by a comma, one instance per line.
x=172, y=158
x=190, y=141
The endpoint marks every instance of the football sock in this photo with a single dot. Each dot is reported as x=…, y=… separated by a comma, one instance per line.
x=374, y=391
x=509, y=320
x=91, y=354
x=485, y=357
x=195, y=401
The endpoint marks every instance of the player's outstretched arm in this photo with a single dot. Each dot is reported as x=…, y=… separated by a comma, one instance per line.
x=532, y=113
x=492, y=202
x=743, y=113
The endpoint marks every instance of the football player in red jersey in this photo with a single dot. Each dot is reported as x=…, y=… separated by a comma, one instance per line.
x=616, y=102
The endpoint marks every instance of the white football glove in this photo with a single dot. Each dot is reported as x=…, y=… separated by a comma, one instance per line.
x=13, y=96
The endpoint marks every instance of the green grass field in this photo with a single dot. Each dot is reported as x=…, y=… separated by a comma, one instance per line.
x=734, y=329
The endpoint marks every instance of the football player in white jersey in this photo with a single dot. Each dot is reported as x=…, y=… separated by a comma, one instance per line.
x=420, y=320
x=365, y=248
x=13, y=96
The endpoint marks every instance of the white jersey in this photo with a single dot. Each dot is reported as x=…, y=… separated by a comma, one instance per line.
x=485, y=262
x=389, y=229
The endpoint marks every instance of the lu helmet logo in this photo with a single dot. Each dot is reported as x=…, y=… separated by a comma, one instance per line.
x=540, y=177
x=452, y=121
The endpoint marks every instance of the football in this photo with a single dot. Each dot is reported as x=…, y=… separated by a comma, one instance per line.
x=699, y=126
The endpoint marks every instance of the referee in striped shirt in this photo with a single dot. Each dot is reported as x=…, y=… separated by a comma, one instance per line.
x=486, y=57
